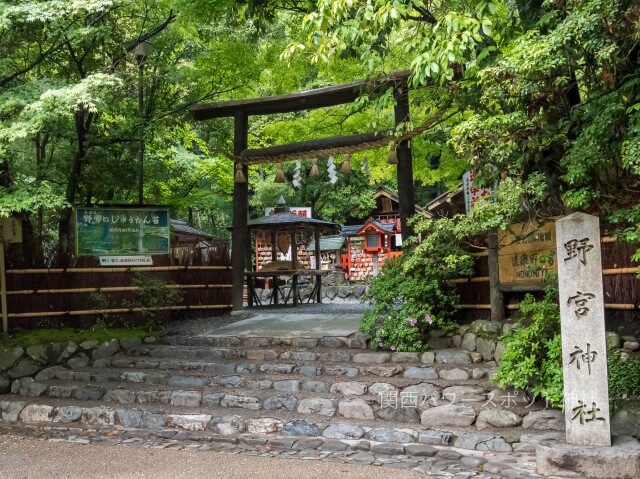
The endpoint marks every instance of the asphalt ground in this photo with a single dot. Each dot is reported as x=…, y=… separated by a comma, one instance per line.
x=218, y=324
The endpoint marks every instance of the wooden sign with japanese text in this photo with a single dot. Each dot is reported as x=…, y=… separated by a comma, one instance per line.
x=584, y=350
x=11, y=230
x=527, y=252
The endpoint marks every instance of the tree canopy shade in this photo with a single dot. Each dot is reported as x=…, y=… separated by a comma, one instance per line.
x=531, y=90
x=68, y=112
x=547, y=87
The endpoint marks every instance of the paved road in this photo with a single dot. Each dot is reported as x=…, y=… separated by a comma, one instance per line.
x=27, y=458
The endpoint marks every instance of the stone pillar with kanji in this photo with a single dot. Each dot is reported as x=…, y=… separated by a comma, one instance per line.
x=584, y=350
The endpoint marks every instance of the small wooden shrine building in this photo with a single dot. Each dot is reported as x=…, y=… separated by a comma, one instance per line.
x=288, y=232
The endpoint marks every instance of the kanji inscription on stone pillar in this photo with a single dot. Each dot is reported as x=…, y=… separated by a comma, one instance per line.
x=584, y=350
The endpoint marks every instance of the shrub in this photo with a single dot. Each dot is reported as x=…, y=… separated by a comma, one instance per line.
x=624, y=378
x=152, y=296
x=418, y=285
x=533, y=357
x=407, y=304
x=533, y=353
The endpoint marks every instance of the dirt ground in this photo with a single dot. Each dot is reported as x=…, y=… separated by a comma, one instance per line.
x=32, y=458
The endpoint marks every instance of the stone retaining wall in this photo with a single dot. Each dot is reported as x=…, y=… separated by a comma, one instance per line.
x=330, y=294
x=18, y=362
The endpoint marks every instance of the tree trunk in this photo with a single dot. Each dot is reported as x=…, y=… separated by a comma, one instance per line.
x=240, y=231
x=496, y=296
x=83, y=121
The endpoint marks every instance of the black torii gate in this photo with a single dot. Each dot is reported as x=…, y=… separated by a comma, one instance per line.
x=240, y=110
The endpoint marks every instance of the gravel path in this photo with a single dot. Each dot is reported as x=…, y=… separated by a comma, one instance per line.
x=27, y=458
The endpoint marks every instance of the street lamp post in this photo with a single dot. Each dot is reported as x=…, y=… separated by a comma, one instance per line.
x=142, y=51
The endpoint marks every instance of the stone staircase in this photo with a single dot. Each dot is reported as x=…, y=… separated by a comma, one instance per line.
x=283, y=389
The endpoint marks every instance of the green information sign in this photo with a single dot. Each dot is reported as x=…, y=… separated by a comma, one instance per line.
x=122, y=231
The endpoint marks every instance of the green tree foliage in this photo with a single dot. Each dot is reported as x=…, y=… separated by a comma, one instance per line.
x=540, y=86
x=69, y=120
x=69, y=111
x=542, y=101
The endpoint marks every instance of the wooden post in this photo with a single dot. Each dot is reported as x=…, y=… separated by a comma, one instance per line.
x=3, y=291
x=240, y=231
x=274, y=239
x=495, y=295
x=350, y=259
x=406, y=195
x=318, y=267
x=249, y=267
x=250, y=291
x=294, y=263
x=274, y=256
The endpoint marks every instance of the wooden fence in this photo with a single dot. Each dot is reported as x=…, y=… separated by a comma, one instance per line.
x=620, y=282
x=80, y=295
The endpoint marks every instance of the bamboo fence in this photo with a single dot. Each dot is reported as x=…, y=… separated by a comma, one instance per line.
x=78, y=296
x=620, y=283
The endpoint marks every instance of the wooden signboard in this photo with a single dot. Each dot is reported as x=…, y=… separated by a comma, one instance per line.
x=527, y=254
x=11, y=230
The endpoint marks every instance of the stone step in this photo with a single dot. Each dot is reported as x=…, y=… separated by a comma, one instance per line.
x=450, y=356
x=457, y=363
x=445, y=372
x=194, y=391
x=283, y=424
x=452, y=405
x=354, y=341
x=381, y=390
x=434, y=372
x=434, y=460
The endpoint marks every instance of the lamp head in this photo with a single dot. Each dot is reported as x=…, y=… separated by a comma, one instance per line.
x=142, y=51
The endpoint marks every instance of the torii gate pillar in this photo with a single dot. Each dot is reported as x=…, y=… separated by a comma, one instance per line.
x=406, y=194
x=240, y=230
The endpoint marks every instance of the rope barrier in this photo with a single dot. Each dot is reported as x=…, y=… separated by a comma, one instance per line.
x=438, y=117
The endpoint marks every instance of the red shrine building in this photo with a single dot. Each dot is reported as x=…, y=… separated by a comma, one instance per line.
x=369, y=245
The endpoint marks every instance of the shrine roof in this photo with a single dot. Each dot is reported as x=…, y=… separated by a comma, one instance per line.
x=182, y=227
x=446, y=202
x=289, y=220
x=327, y=243
x=350, y=230
x=382, y=227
